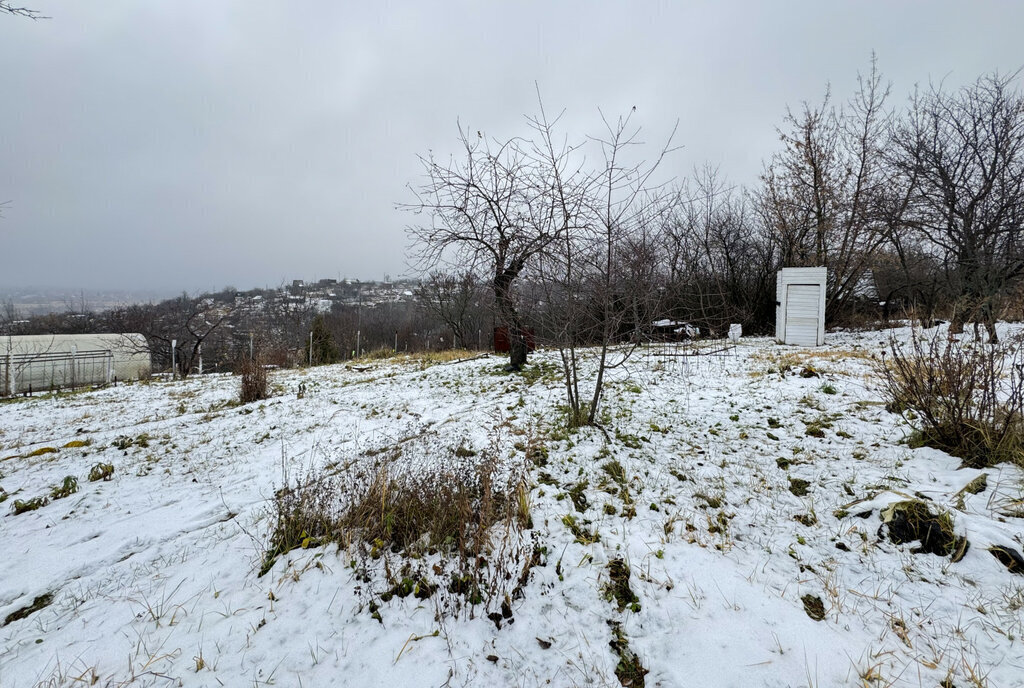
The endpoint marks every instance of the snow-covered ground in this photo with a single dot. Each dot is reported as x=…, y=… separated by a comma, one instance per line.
x=154, y=573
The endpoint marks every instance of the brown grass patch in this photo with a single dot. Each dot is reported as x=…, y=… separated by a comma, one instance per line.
x=467, y=520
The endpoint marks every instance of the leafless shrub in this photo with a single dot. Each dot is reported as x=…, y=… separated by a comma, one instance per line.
x=965, y=398
x=254, y=380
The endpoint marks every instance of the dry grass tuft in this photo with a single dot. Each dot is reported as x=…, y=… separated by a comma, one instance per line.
x=806, y=361
x=444, y=355
x=470, y=522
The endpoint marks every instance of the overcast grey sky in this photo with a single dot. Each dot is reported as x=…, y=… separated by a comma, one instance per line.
x=199, y=143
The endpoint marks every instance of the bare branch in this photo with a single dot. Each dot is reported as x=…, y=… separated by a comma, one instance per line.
x=7, y=8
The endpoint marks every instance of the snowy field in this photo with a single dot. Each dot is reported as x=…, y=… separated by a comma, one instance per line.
x=748, y=503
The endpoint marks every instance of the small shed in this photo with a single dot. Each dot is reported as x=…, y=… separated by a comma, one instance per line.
x=800, y=306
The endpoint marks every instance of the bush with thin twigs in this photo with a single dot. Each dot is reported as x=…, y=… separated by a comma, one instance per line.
x=254, y=380
x=965, y=398
x=468, y=523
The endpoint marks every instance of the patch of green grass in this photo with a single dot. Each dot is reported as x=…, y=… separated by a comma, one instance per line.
x=617, y=589
x=67, y=487
x=814, y=430
x=806, y=519
x=40, y=602
x=582, y=535
x=101, y=471
x=807, y=401
x=678, y=475
x=629, y=670
x=799, y=486
x=630, y=440
x=20, y=506
x=542, y=371
x=817, y=427
x=710, y=501
x=615, y=471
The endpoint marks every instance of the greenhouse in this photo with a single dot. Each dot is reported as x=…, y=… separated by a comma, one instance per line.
x=44, y=362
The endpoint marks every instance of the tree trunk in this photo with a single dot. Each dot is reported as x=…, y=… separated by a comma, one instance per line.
x=510, y=317
x=993, y=338
x=989, y=314
x=517, y=346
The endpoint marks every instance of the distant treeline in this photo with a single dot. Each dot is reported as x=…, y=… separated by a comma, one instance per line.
x=916, y=211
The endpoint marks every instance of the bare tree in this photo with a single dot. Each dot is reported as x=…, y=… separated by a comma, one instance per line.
x=283, y=321
x=483, y=214
x=450, y=297
x=820, y=194
x=186, y=321
x=601, y=275
x=718, y=261
x=909, y=280
x=962, y=158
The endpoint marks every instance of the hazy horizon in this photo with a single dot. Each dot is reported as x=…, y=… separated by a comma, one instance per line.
x=188, y=146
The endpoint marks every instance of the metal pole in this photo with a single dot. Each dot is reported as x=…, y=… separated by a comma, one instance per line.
x=396, y=341
x=174, y=367
x=200, y=359
x=311, y=349
x=358, y=351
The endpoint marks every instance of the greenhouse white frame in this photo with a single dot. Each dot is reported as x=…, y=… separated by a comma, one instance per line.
x=34, y=363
